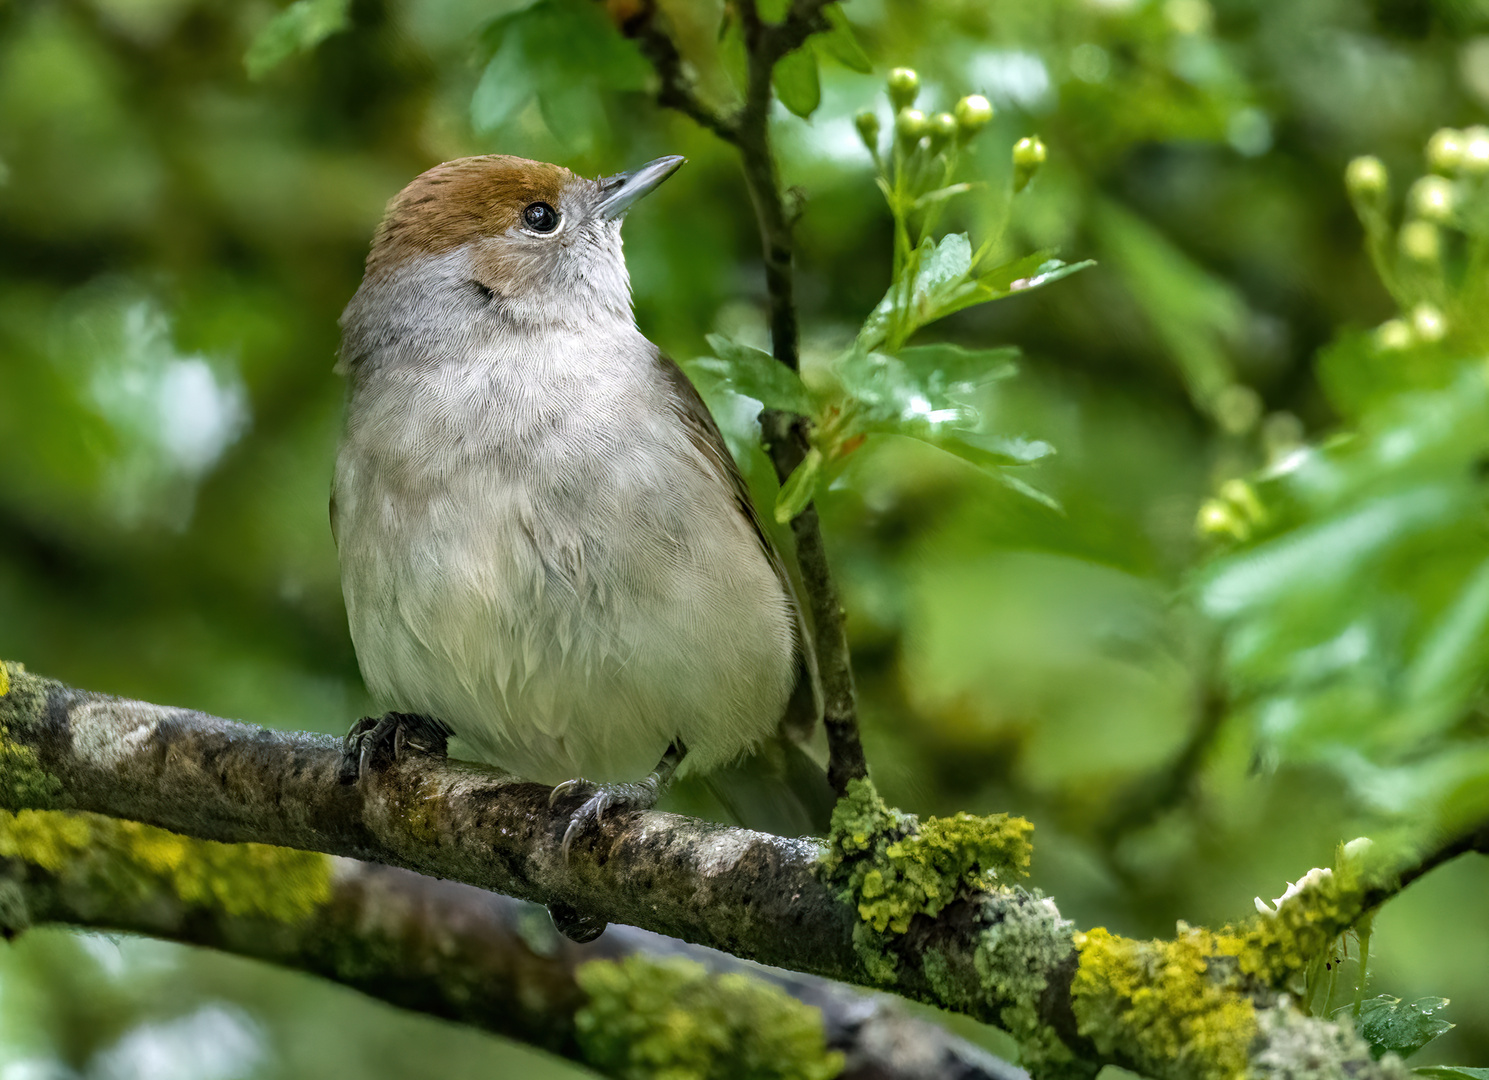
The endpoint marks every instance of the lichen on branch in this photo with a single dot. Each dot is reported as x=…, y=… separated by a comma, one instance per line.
x=892, y=866
x=671, y=1018
x=928, y=909
x=124, y=863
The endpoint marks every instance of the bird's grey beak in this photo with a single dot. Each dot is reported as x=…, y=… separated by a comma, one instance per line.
x=620, y=191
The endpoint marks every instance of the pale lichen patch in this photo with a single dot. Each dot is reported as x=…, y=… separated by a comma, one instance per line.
x=1294, y=1047
x=1024, y=939
x=108, y=733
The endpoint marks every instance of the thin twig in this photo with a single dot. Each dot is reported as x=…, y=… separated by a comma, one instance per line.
x=784, y=435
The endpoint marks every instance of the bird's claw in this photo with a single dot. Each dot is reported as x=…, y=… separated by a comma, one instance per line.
x=601, y=798
x=390, y=735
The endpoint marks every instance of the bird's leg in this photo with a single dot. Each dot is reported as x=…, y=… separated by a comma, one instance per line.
x=640, y=795
x=390, y=735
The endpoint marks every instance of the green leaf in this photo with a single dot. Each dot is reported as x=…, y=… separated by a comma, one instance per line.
x=796, y=81
x=921, y=393
x=1027, y=490
x=1452, y=657
x=567, y=55
x=755, y=374
x=841, y=44
x=799, y=487
x=930, y=198
x=503, y=89
x=1003, y=449
x=958, y=365
x=944, y=264
x=1452, y=1072
x=994, y=453
x=1034, y=272
x=1401, y=1027
x=298, y=28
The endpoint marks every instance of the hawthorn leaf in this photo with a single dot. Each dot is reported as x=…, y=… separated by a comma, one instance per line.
x=1389, y=1024
x=841, y=44
x=797, y=82
x=755, y=374
x=298, y=28
x=799, y=487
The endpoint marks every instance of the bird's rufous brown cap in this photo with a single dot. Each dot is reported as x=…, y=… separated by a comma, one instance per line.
x=459, y=201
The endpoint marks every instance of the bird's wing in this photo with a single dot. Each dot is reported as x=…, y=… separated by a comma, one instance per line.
x=805, y=706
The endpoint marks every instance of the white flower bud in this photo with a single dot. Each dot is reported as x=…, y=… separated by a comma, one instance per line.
x=1028, y=156
x=1428, y=323
x=1243, y=497
x=1445, y=150
x=904, y=85
x=973, y=113
x=1420, y=241
x=942, y=128
x=1218, y=518
x=1393, y=335
x=1433, y=199
x=1366, y=180
x=1476, y=151
x=909, y=126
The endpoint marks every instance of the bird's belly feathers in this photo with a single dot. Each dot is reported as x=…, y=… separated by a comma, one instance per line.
x=567, y=613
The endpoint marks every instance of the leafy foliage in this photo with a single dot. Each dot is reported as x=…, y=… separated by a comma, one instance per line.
x=1391, y=1025
x=879, y=384
x=1336, y=666
x=298, y=28
x=563, y=54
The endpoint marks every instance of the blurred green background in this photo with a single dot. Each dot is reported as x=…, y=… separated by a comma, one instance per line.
x=177, y=241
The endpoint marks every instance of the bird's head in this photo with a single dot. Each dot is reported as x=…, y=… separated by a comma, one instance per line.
x=536, y=240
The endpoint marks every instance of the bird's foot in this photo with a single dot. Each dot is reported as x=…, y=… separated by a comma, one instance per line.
x=598, y=799
x=378, y=739
x=574, y=924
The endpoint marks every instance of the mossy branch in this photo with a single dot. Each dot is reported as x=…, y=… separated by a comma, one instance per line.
x=462, y=954
x=927, y=909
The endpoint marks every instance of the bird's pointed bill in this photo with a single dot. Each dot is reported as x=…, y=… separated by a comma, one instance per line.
x=622, y=190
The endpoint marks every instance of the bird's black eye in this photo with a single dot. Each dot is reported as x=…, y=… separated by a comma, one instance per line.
x=540, y=217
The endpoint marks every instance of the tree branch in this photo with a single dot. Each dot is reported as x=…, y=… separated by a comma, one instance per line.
x=784, y=435
x=999, y=954
x=435, y=947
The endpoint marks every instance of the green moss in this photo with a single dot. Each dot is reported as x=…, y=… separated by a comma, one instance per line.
x=124, y=862
x=1176, y=1008
x=23, y=782
x=650, y=1019
x=892, y=866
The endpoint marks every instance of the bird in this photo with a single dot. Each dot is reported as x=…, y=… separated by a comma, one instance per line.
x=546, y=547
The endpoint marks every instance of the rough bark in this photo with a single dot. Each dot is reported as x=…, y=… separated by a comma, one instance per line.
x=473, y=957
x=755, y=896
